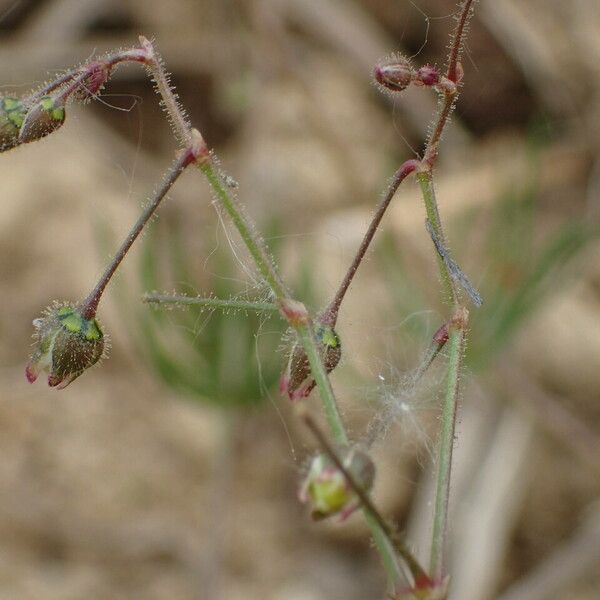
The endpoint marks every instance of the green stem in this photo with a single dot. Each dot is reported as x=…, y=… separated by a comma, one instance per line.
x=305, y=331
x=256, y=249
x=216, y=303
x=440, y=517
x=433, y=215
x=385, y=547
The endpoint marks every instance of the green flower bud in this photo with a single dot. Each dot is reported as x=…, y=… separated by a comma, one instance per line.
x=297, y=381
x=42, y=119
x=66, y=344
x=12, y=115
x=326, y=489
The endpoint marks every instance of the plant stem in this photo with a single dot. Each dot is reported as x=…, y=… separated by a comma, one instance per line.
x=296, y=315
x=458, y=39
x=90, y=305
x=216, y=303
x=169, y=100
x=263, y=261
x=450, y=92
x=330, y=314
x=458, y=324
x=440, y=518
x=294, y=312
x=131, y=55
x=372, y=515
x=433, y=215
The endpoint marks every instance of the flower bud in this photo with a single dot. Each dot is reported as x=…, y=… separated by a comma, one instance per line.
x=66, y=344
x=43, y=118
x=427, y=75
x=326, y=488
x=12, y=115
x=297, y=381
x=96, y=76
x=394, y=74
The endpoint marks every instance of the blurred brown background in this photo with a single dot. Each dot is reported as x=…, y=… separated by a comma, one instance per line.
x=162, y=474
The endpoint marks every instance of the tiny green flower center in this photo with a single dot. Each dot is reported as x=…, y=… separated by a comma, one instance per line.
x=11, y=112
x=49, y=105
x=327, y=336
x=73, y=322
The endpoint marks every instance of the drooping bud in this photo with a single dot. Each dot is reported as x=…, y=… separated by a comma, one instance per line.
x=326, y=489
x=12, y=115
x=95, y=79
x=43, y=118
x=66, y=344
x=297, y=381
x=394, y=73
x=427, y=75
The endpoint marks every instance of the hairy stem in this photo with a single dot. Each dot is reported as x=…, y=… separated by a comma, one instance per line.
x=297, y=317
x=433, y=215
x=458, y=324
x=216, y=303
x=440, y=516
x=90, y=305
x=450, y=91
x=262, y=260
x=458, y=37
x=169, y=100
x=330, y=314
x=138, y=55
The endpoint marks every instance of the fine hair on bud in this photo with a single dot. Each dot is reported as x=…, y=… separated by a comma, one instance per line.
x=394, y=73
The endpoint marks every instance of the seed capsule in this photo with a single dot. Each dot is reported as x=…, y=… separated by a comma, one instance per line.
x=66, y=344
x=326, y=488
x=42, y=119
x=297, y=381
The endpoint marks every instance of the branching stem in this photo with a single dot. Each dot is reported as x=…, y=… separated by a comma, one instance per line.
x=458, y=325
x=297, y=317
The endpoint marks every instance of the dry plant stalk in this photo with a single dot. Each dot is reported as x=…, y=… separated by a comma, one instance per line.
x=69, y=339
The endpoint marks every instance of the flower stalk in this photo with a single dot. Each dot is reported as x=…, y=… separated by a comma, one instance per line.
x=195, y=153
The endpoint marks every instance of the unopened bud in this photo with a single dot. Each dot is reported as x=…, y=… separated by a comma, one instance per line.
x=326, y=488
x=394, y=74
x=297, y=381
x=12, y=115
x=44, y=117
x=427, y=75
x=66, y=344
x=97, y=75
